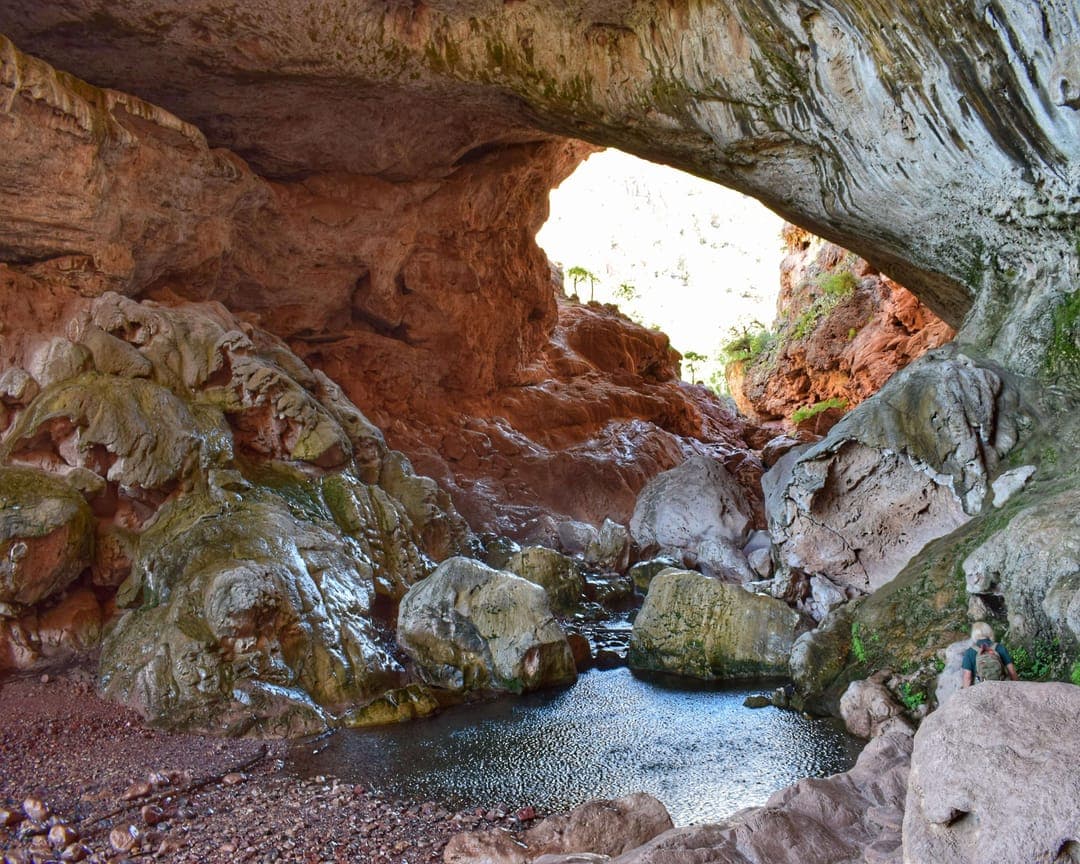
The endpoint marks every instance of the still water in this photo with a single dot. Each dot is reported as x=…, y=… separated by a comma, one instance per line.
x=697, y=749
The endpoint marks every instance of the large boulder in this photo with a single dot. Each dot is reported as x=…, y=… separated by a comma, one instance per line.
x=1031, y=566
x=600, y=827
x=470, y=627
x=46, y=537
x=914, y=465
x=993, y=777
x=246, y=617
x=692, y=625
x=698, y=506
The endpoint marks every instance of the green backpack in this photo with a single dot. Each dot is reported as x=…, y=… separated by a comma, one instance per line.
x=988, y=665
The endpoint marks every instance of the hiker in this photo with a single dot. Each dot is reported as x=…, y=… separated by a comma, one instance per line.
x=986, y=660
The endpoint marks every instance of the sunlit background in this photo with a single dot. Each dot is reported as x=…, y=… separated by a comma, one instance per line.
x=672, y=251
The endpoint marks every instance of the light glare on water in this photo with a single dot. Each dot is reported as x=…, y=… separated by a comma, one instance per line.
x=698, y=750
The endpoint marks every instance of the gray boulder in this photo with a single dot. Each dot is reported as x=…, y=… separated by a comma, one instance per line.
x=592, y=832
x=994, y=777
x=700, y=627
x=696, y=502
x=470, y=627
x=898, y=471
x=869, y=709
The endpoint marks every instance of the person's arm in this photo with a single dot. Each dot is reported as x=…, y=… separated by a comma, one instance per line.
x=967, y=678
x=1012, y=672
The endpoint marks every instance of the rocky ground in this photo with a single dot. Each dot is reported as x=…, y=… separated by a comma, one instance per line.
x=126, y=793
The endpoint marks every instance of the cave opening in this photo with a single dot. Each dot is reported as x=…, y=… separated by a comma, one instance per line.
x=673, y=252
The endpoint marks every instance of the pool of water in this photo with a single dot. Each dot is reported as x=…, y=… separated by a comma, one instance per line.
x=697, y=749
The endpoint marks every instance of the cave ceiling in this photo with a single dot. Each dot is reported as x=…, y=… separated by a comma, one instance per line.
x=920, y=137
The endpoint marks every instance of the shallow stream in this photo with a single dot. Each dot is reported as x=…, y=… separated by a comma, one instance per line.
x=697, y=749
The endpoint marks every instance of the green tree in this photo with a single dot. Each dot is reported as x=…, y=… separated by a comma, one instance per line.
x=692, y=358
x=580, y=274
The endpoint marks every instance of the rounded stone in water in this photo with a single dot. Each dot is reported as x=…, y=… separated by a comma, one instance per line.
x=698, y=750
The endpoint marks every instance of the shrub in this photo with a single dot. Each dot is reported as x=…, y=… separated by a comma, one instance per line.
x=1043, y=660
x=747, y=344
x=809, y=411
x=1074, y=674
x=857, y=647
x=840, y=284
x=911, y=697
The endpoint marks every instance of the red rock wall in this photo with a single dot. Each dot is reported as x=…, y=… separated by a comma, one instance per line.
x=842, y=345
x=427, y=299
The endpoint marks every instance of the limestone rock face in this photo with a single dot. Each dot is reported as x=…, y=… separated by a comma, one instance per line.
x=842, y=330
x=241, y=509
x=600, y=828
x=46, y=537
x=1032, y=564
x=692, y=625
x=691, y=509
x=246, y=619
x=856, y=506
x=469, y=627
x=993, y=777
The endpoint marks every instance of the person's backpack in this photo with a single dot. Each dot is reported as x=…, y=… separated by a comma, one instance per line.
x=988, y=665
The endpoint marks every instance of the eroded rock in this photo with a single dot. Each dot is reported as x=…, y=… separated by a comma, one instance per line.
x=594, y=831
x=46, y=537
x=470, y=627
x=915, y=465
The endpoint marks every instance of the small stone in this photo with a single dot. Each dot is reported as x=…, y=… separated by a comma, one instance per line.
x=39, y=846
x=151, y=814
x=139, y=789
x=169, y=846
x=525, y=814
x=16, y=856
x=75, y=852
x=233, y=779
x=35, y=809
x=62, y=836
x=8, y=818
x=757, y=700
x=45, y=679
x=122, y=838
x=227, y=848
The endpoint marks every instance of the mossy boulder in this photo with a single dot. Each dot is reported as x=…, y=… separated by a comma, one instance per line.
x=558, y=575
x=468, y=627
x=246, y=618
x=46, y=537
x=394, y=706
x=692, y=625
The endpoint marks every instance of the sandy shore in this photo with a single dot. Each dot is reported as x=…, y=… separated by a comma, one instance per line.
x=113, y=783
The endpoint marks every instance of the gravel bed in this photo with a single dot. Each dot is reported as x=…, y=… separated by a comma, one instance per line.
x=83, y=779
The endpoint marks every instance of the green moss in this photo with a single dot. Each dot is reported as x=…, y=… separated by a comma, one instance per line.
x=1063, y=352
x=911, y=695
x=1074, y=673
x=858, y=650
x=807, y=412
x=1042, y=660
x=839, y=284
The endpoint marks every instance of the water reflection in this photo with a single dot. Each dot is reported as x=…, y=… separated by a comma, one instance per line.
x=696, y=749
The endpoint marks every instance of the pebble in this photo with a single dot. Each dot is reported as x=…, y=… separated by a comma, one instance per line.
x=122, y=838
x=35, y=809
x=139, y=789
x=9, y=818
x=151, y=814
x=75, y=852
x=62, y=836
x=233, y=779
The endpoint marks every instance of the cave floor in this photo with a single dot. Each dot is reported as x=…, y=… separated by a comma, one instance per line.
x=209, y=799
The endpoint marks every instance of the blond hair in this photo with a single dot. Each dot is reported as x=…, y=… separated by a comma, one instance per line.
x=981, y=630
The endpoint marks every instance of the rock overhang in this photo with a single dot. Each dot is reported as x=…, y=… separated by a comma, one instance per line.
x=933, y=142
